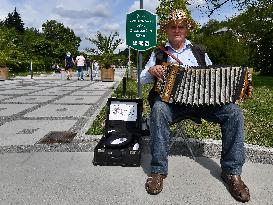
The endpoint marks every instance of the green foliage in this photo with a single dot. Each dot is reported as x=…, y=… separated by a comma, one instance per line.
x=11, y=54
x=98, y=124
x=145, y=57
x=18, y=48
x=225, y=49
x=255, y=26
x=259, y=112
x=210, y=27
x=106, y=45
x=62, y=38
x=14, y=20
x=212, y=5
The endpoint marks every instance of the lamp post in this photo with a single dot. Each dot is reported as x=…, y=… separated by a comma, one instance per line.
x=139, y=64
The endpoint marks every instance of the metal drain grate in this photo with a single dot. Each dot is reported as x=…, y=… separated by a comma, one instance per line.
x=57, y=137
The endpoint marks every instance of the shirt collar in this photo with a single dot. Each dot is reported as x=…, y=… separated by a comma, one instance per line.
x=186, y=45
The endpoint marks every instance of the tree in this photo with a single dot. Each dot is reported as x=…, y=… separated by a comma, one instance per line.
x=212, y=5
x=63, y=39
x=225, y=49
x=255, y=26
x=14, y=20
x=211, y=27
x=11, y=54
x=105, y=47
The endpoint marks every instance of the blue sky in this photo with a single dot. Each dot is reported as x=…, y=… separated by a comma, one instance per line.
x=86, y=17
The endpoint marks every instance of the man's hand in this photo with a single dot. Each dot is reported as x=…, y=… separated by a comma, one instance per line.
x=157, y=71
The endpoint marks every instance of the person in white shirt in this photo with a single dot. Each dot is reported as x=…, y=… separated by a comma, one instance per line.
x=96, y=68
x=80, y=62
x=180, y=50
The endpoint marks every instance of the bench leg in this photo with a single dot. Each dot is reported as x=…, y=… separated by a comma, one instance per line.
x=180, y=133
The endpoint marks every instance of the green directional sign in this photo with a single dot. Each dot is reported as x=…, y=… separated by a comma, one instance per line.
x=141, y=30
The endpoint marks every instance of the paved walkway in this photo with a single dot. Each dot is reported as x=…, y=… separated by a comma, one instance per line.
x=64, y=174
x=32, y=108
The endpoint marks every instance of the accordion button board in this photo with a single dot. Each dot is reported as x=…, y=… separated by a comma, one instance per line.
x=210, y=85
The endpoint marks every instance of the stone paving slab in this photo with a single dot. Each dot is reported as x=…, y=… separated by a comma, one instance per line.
x=51, y=91
x=77, y=83
x=30, y=99
x=31, y=87
x=90, y=92
x=11, y=109
x=100, y=86
x=19, y=87
x=50, y=83
x=28, y=132
x=14, y=92
x=78, y=100
x=67, y=88
x=62, y=110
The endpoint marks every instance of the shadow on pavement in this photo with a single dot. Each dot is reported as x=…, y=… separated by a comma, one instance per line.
x=180, y=149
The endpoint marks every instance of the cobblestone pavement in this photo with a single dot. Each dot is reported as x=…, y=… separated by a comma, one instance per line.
x=32, y=108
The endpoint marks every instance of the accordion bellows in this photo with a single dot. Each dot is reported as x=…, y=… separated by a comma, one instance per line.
x=210, y=85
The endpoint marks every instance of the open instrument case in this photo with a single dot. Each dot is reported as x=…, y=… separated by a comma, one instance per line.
x=120, y=142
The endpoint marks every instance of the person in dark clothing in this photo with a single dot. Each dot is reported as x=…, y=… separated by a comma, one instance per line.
x=69, y=63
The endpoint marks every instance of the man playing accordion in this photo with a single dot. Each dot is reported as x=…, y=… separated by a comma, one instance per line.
x=181, y=51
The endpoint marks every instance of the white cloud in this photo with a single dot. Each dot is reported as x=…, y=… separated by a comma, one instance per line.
x=99, y=11
x=195, y=3
x=122, y=46
x=111, y=27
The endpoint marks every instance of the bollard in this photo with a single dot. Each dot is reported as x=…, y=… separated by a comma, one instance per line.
x=62, y=74
x=124, y=86
x=31, y=70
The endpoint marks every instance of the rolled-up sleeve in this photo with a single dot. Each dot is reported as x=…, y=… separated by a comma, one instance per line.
x=145, y=76
x=207, y=59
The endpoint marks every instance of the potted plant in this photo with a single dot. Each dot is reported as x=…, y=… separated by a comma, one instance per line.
x=4, y=71
x=105, y=52
x=107, y=69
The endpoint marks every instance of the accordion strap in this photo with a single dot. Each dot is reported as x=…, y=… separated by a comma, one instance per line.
x=170, y=54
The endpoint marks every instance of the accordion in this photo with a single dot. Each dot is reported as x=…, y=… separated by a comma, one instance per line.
x=209, y=85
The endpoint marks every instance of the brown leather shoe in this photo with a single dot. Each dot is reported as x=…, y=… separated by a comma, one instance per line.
x=154, y=183
x=236, y=187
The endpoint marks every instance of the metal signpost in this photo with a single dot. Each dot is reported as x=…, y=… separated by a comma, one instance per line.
x=141, y=34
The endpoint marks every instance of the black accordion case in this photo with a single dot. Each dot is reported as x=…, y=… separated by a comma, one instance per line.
x=119, y=145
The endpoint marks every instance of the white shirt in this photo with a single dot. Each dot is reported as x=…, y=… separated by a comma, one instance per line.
x=185, y=55
x=80, y=60
x=96, y=66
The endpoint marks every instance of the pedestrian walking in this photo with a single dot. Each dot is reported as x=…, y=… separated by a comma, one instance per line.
x=80, y=61
x=88, y=68
x=68, y=64
x=96, y=68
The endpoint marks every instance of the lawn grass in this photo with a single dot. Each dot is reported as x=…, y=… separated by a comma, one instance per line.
x=258, y=114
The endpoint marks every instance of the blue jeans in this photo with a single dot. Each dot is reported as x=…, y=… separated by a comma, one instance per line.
x=80, y=72
x=229, y=117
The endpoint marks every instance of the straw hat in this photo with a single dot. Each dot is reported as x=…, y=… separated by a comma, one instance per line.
x=178, y=16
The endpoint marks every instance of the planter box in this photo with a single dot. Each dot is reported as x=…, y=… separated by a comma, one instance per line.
x=107, y=74
x=4, y=73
